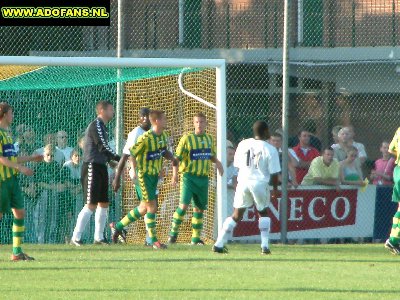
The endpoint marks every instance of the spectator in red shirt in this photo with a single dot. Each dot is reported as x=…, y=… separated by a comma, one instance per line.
x=306, y=153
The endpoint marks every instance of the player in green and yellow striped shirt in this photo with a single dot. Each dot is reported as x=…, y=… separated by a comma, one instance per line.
x=147, y=158
x=196, y=150
x=10, y=191
x=393, y=242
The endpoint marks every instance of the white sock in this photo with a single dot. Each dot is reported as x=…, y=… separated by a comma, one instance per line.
x=100, y=219
x=264, y=224
x=225, y=232
x=81, y=222
x=148, y=238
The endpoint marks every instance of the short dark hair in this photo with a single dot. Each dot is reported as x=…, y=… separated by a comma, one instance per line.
x=4, y=108
x=156, y=114
x=301, y=131
x=102, y=104
x=259, y=128
x=329, y=148
x=144, y=111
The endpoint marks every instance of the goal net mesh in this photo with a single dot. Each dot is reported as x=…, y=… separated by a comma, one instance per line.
x=54, y=104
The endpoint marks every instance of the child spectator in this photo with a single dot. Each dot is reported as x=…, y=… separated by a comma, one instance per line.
x=382, y=174
x=47, y=178
x=71, y=200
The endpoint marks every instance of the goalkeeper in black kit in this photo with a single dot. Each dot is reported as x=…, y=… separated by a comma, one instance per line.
x=94, y=177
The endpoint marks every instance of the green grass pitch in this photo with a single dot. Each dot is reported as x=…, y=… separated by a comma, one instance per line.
x=352, y=271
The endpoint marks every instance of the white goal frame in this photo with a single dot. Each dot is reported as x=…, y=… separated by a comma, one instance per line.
x=220, y=96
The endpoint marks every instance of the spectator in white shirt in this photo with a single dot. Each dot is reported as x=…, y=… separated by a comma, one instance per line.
x=62, y=144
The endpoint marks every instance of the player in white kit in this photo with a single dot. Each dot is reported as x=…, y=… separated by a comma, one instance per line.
x=258, y=162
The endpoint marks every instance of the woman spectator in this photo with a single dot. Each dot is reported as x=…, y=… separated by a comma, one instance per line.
x=350, y=171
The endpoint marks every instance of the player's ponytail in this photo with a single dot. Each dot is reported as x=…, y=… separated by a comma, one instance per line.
x=4, y=108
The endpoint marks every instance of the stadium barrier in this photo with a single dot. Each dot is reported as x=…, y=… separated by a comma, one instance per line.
x=321, y=213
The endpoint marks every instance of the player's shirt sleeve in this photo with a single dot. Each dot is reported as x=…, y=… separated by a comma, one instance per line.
x=393, y=147
x=99, y=136
x=181, y=150
x=131, y=140
x=139, y=146
x=239, y=159
x=274, y=165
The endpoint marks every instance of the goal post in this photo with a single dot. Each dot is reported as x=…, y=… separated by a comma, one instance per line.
x=17, y=72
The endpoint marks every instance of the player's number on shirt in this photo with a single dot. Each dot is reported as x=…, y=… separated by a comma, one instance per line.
x=252, y=158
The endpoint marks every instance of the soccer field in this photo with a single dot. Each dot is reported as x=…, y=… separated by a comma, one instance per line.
x=182, y=272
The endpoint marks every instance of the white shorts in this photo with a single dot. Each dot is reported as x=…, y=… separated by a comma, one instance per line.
x=253, y=192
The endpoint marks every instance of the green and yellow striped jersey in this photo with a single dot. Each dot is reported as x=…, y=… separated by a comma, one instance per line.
x=194, y=153
x=7, y=149
x=395, y=146
x=148, y=151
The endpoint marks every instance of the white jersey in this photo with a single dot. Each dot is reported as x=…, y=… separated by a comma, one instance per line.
x=132, y=138
x=256, y=160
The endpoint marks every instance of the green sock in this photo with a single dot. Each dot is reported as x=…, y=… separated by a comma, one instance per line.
x=131, y=217
x=151, y=226
x=395, y=232
x=179, y=214
x=18, y=230
x=197, y=226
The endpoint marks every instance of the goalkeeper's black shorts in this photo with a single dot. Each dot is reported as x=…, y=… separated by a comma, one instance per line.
x=94, y=179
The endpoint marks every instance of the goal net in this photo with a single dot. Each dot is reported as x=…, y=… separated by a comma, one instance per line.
x=54, y=103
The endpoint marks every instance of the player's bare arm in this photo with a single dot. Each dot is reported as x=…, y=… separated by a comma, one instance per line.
x=218, y=164
x=175, y=164
x=116, y=184
x=133, y=168
x=32, y=158
x=20, y=168
x=275, y=183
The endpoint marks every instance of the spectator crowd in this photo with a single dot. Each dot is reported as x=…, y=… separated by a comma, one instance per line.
x=342, y=163
x=54, y=197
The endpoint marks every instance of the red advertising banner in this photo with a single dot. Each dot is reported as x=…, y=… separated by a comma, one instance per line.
x=307, y=209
